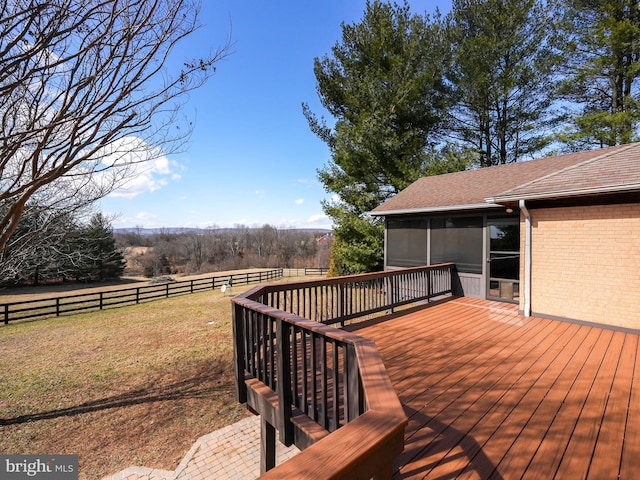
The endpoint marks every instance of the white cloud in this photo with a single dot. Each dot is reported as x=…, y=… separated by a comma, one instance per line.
x=145, y=216
x=142, y=168
x=299, y=201
x=318, y=218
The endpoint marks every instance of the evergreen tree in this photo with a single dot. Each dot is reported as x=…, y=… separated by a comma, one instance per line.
x=603, y=69
x=96, y=245
x=384, y=87
x=503, y=73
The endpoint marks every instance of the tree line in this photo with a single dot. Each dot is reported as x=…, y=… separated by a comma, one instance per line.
x=75, y=250
x=491, y=82
x=217, y=249
x=67, y=249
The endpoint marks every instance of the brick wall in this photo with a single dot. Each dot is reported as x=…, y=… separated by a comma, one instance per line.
x=586, y=263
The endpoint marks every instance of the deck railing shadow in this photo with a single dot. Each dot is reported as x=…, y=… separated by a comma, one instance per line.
x=448, y=438
x=323, y=388
x=199, y=385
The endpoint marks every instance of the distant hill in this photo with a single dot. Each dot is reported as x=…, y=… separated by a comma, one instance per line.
x=177, y=230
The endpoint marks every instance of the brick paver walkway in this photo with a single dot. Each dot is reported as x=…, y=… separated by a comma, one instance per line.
x=231, y=453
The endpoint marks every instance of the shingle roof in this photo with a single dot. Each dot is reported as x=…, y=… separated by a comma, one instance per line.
x=593, y=171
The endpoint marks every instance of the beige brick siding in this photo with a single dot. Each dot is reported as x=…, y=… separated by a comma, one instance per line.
x=586, y=263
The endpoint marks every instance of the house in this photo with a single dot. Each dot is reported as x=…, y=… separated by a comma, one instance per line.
x=559, y=236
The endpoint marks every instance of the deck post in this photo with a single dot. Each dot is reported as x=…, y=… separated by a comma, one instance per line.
x=238, y=353
x=352, y=384
x=285, y=399
x=267, y=446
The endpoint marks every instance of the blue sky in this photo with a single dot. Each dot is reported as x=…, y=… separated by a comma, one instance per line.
x=252, y=159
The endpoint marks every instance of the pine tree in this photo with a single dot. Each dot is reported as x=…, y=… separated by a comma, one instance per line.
x=384, y=87
x=96, y=245
x=503, y=73
x=602, y=71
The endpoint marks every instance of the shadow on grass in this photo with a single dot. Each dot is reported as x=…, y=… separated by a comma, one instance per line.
x=202, y=385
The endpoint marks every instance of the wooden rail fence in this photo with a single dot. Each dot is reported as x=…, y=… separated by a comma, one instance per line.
x=322, y=387
x=62, y=305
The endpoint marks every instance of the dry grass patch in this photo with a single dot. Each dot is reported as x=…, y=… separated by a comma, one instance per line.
x=130, y=386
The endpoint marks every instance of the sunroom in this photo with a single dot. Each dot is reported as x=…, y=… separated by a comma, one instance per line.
x=558, y=235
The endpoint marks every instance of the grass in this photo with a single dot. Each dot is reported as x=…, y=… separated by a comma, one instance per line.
x=130, y=386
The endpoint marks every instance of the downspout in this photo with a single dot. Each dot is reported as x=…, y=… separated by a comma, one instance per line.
x=527, y=258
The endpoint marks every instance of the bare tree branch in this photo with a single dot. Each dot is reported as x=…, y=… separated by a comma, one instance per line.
x=86, y=91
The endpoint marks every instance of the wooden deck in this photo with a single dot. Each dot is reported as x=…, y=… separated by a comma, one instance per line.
x=493, y=395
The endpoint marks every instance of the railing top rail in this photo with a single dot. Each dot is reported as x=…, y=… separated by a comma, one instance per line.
x=309, y=325
x=340, y=280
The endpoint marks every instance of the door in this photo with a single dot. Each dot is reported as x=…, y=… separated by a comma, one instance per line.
x=503, y=259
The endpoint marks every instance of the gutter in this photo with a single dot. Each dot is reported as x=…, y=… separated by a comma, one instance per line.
x=450, y=208
x=527, y=258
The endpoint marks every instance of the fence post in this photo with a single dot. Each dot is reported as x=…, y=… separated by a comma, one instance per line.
x=6, y=314
x=191, y=285
x=57, y=306
x=137, y=295
x=167, y=290
x=101, y=300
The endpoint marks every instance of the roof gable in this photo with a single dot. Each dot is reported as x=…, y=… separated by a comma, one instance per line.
x=590, y=171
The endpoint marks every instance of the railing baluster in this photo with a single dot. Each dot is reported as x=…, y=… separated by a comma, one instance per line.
x=273, y=345
x=294, y=366
x=336, y=393
x=263, y=352
x=313, y=369
x=304, y=402
x=323, y=383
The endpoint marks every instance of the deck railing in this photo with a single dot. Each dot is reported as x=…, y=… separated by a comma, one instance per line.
x=337, y=300
x=322, y=387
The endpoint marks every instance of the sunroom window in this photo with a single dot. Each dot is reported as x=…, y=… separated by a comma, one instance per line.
x=458, y=240
x=406, y=242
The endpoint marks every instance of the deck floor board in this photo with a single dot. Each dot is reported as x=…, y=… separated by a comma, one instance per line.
x=630, y=462
x=491, y=394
